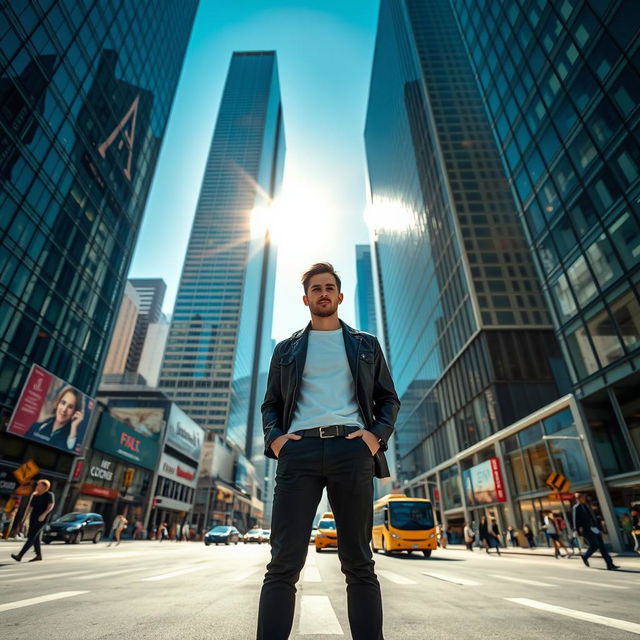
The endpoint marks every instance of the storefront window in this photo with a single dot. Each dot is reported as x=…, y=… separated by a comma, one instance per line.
x=451, y=495
x=558, y=422
x=518, y=475
x=568, y=456
x=530, y=435
x=629, y=403
x=538, y=465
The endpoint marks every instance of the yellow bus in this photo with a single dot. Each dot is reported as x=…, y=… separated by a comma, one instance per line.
x=402, y=523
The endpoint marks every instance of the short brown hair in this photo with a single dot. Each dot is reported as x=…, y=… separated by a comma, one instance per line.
x=316, y=269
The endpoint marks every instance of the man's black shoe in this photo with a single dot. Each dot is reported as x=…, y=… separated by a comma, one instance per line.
x=586, y=562
x=612, y=567
x=16, y=557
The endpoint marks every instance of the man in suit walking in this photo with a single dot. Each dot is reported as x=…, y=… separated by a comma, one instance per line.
x=329, y=410
x=586, y=524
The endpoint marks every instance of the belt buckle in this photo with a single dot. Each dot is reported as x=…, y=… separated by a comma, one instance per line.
x=326, y=427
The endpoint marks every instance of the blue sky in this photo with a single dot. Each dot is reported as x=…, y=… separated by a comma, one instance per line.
x=325, y=50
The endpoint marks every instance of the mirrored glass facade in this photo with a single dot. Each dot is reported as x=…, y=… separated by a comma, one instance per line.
x=561, y=82
x=467, y=331
x=85, y=94
x=219, y=343
x=365, y=294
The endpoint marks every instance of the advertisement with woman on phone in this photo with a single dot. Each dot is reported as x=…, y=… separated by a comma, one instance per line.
x=52, y=412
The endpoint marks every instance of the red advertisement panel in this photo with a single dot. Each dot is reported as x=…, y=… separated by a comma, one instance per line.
x=497, y=480
x=52, y=412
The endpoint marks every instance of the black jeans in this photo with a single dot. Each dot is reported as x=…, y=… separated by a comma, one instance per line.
x=33, y=539
x=596, y=543
x=305, y=467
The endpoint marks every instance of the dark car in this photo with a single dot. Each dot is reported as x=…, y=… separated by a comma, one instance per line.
x=75, y=527
x=222, y=534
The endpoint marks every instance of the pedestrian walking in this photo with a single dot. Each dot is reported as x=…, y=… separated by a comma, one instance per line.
x=513, y=538
x=495, y=532
x=117, y=527
x=469, y=535
x=551, y=528
x=178, y=537
x=634, y=515
x=162, y=531
x=40, y=505
x=329, y=410
x=528, y=534
x=487, y=536
x=586, y=524
x=186, y=532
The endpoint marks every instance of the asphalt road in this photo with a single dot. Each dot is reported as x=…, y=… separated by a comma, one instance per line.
x=186, y=590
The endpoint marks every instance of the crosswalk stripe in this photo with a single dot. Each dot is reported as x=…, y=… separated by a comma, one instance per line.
x=624, y=625
x=30, y=601
x=106, y=574
x=394, y=577
x=595, y=584
x=240, y=577
x=535, y=583
x=173, y=574
x=449, y=578
x=318, y=617
x=311, y=574
x=47, y=576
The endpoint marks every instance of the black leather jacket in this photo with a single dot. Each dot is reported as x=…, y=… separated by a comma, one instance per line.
x=375, y=393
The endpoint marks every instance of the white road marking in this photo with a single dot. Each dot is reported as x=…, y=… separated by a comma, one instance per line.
x=394, y=577
x=173, y=574
x=624, y=625
x=27, y=603
x=595, y=584
x=449, y=578
x=318, y=617
x=535, y=583
x=106, y=574
x=48, y=576
x=311, y=574
x=116, y=554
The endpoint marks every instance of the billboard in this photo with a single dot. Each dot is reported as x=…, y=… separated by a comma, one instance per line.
x=52, y=412
x=147, y=421
x=483, y=483
x=123, y=442
x=183, y=434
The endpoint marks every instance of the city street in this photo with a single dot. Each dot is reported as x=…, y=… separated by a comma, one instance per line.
x=186, y=590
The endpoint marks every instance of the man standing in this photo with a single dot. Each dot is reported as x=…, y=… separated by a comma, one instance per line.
x=40, y=505
x=328, y=412
x=586, y=524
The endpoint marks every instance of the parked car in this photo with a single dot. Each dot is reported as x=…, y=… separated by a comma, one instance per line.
x=253, y=535
x=75, y=527
x=222, y=534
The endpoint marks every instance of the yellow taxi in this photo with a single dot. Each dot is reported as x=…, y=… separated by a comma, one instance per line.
x=327, y=534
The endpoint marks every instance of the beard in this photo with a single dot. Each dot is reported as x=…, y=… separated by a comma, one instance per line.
x=324, y=312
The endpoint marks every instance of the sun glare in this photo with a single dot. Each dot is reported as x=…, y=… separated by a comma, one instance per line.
x=385, y=214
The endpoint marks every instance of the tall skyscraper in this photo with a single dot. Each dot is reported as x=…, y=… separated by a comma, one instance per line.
x=561, y=82
x=85, y=95
x=123, y=331
x=365, y=293
x=151, y=294
x=467, y=332
x=220, y=333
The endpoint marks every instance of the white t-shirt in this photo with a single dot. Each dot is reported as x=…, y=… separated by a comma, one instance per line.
x=551, y=525
x=327, y=393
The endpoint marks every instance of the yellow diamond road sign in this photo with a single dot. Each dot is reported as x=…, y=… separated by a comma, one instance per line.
x=558, y=482
x=26, y=471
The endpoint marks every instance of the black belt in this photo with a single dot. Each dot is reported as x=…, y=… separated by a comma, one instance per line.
x=328, y=431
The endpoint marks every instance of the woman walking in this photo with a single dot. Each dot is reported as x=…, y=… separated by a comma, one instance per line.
x=551, y=529
x=469, y=535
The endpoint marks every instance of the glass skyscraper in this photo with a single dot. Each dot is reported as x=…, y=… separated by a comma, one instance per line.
x=561, y=82
x=219, y=342
x=85, y=94
x=467, y=332
x=365, y=294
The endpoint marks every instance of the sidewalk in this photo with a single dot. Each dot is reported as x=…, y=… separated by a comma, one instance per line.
x=537, y=551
